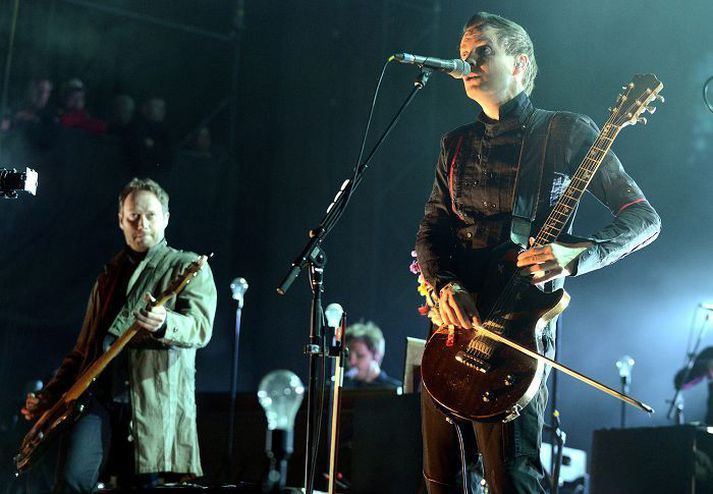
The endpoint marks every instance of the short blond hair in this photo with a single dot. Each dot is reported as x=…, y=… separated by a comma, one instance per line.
x=144, y=184
x=369, y=334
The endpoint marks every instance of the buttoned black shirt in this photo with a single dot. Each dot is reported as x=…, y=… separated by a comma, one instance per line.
x=470, y=207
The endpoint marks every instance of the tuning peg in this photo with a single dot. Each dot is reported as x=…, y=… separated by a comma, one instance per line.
x=642, y=120
x=660, y=98
x=650, y=109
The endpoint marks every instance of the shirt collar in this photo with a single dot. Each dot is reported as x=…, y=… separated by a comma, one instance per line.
x=149, y=255
x=513, y=114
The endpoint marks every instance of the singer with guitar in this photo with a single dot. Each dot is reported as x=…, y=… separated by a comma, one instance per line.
x=141, y=407
x=496, y=181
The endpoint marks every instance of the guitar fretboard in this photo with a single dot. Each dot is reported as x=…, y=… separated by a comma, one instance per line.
x=567, y=203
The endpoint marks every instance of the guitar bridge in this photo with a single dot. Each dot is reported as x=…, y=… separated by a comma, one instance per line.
x=473, y=362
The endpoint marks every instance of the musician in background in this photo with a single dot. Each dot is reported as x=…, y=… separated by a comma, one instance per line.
x=142, y=407
x=366, y=345
x=470, y=211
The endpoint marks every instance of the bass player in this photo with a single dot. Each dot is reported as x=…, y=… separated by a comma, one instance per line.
x=142, y=407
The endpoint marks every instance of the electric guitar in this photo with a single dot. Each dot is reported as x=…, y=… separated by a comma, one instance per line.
x=491, y=373
x=70, y=406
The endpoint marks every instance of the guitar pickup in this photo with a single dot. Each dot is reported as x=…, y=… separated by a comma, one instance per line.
x=472, y=361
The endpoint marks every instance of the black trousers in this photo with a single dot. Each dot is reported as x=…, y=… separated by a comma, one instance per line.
x=510, y=452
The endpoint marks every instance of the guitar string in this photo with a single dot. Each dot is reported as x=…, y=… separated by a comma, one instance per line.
x=482, y=344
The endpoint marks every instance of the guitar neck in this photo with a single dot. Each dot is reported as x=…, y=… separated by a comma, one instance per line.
x=567, y=203
x=88, y=376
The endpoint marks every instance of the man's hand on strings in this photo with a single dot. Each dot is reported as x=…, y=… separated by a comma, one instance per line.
x=548, y=262
x=151, y=318
x=457, y=306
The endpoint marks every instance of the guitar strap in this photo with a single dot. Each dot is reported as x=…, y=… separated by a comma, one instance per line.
x=530, y=170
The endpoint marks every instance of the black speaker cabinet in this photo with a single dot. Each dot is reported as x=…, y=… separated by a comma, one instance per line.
x=651, y=460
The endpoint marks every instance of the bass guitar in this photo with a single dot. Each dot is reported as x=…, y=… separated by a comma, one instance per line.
x=491, y=373
x=69, y=407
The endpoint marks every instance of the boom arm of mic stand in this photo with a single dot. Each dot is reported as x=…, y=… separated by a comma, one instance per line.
x=335, y=210
x=313, y=256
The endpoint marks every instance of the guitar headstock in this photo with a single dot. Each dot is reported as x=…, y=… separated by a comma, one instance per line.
x=635, y=99
x=180, y=281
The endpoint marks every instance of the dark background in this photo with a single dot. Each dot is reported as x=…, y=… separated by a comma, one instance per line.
x=306, y=75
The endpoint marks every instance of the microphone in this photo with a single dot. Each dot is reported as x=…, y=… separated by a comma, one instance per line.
x=624, y=364
x=456, y=68
x=333, y=313
x=239, y=286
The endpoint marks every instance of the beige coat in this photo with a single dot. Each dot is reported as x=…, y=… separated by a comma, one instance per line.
x=161, y=371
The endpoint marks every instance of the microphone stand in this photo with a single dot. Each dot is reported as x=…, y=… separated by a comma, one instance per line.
x=238, y=287
x=625, y=390
x=338, y=351
x=313, y=256
x=676, y=401
x=624, y=364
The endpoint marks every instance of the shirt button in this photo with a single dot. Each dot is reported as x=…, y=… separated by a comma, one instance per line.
x=469, y=235
x=492, y=205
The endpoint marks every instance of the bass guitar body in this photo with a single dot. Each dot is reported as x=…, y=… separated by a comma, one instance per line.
x=476, y=378
x=48, y=427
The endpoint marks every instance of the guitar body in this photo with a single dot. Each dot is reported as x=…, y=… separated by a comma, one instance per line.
x=47, y=428
x=476, y=378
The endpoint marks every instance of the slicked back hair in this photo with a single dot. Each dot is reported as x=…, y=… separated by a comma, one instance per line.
x=512, y=37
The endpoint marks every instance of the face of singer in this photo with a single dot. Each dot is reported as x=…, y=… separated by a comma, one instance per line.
x=364, y=361
x=494, y=77
x=143, y=220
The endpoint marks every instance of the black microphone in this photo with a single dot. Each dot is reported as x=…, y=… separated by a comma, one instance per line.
x=456, y=68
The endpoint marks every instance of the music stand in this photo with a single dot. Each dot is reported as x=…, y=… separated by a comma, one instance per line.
x=412, y=364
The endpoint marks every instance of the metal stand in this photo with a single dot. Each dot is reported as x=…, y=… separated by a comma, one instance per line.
x=313, y=256
x=625, y=390
x=624, y=364
x=557, y=434
x=238, y=288
x=559, y=438
x=314, y=350
x=339, y=352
